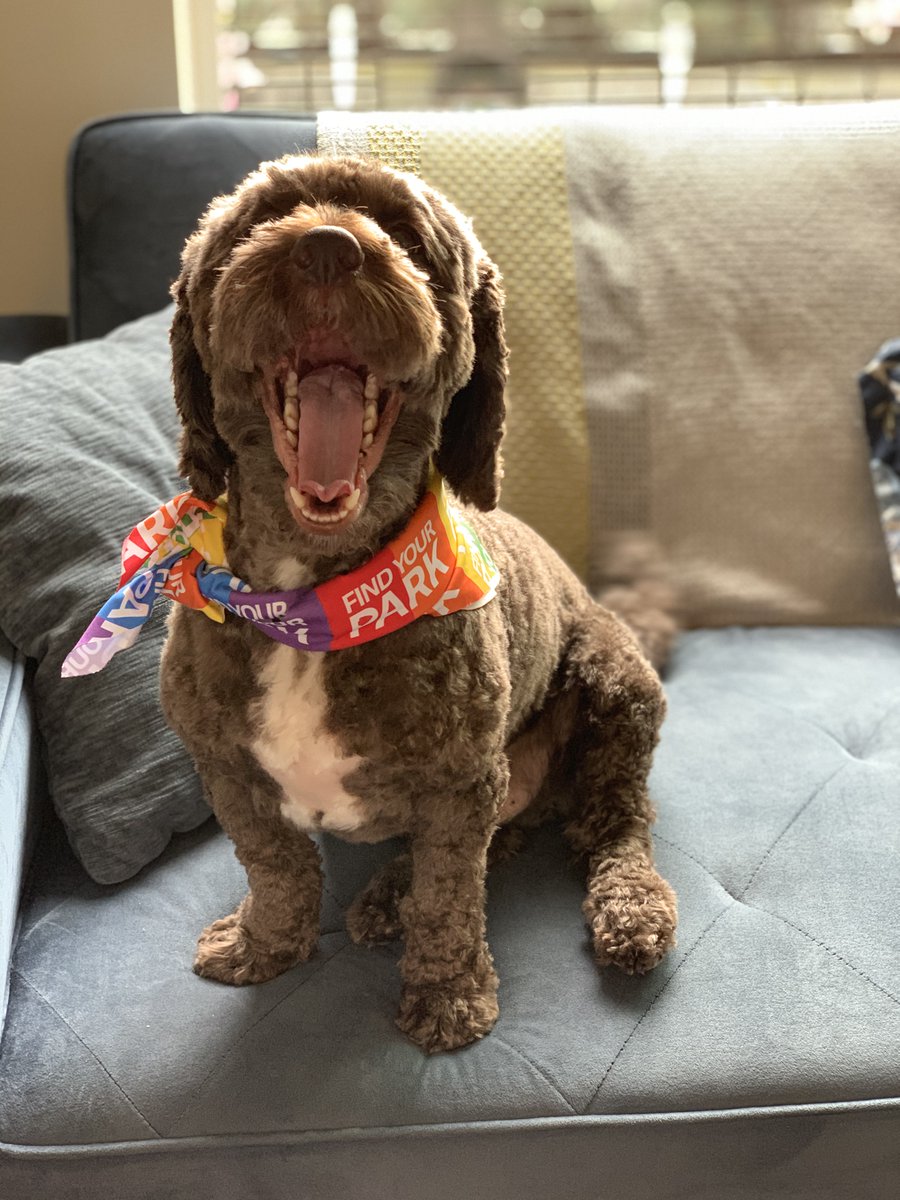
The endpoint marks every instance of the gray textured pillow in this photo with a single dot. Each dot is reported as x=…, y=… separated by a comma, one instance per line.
x=88, y=436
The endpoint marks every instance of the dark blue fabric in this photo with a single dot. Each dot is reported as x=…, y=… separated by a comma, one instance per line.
x=879, y=386
x=137, y=186
x=841, y=1152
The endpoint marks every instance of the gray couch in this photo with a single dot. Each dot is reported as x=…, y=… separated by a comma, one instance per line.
x=732, y=274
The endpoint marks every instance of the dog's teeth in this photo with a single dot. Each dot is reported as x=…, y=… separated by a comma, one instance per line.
x=292, y=384
x=332, y=516
x=367, y=441
x=291, y=437
x=370, y=418
x=292, y=416
x=372, y=388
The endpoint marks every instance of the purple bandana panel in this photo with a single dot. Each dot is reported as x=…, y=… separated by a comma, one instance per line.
x=296, y=618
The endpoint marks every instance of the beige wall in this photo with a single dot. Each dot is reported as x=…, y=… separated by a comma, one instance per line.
x=62, y=63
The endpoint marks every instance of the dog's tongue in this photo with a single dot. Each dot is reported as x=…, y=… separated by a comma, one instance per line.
x=330, y=433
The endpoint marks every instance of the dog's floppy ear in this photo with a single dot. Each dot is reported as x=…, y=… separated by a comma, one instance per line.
x=205, y=458
x=469, y=453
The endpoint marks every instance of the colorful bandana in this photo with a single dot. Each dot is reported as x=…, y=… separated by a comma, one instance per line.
x=436, y=566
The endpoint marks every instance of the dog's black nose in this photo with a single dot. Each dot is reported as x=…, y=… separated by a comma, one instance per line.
x=327, y=254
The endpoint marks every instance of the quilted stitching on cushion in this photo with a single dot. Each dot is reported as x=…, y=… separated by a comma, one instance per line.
x=778, y=792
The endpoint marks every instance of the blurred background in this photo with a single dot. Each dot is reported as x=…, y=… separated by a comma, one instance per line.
x=394, y=54
x=66, y=62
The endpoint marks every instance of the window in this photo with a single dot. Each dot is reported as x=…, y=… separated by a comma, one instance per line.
x=412, y=54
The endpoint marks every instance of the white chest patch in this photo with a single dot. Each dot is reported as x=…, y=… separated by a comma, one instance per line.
x=295, y=749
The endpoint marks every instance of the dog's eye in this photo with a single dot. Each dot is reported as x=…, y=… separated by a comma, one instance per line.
x=406, y=236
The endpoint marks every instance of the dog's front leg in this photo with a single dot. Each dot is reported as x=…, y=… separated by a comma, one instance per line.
x=449, y=986
x=630, y=909
x=276, y=925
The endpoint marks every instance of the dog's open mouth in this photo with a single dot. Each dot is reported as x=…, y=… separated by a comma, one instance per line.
x=330, y=424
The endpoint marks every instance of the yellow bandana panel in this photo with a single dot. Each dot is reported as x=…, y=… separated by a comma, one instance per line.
x=507, y=172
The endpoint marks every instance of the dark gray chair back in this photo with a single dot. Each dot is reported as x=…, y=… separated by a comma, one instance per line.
x=137, y=185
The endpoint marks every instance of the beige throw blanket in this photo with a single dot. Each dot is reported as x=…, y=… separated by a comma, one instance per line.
x=691, y=295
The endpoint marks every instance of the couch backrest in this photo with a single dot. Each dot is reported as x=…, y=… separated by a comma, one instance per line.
x=691, y=294
x=137, y=185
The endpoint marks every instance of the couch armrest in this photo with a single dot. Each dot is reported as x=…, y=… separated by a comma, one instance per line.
x=22, y=799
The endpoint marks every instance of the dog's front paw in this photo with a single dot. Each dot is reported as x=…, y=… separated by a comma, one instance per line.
x=632, y=919
x=228, y=952
x=446, y=1016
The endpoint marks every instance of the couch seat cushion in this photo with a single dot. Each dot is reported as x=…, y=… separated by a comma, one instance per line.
x=778, y=791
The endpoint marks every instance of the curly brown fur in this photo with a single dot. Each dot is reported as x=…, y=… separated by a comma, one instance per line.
x=448, y=728
x=374, y=915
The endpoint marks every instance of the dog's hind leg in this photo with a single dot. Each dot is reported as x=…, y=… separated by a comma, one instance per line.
x=374, y=916
x=630, y=909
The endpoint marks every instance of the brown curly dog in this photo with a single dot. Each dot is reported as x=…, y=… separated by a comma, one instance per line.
x=338, y=328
